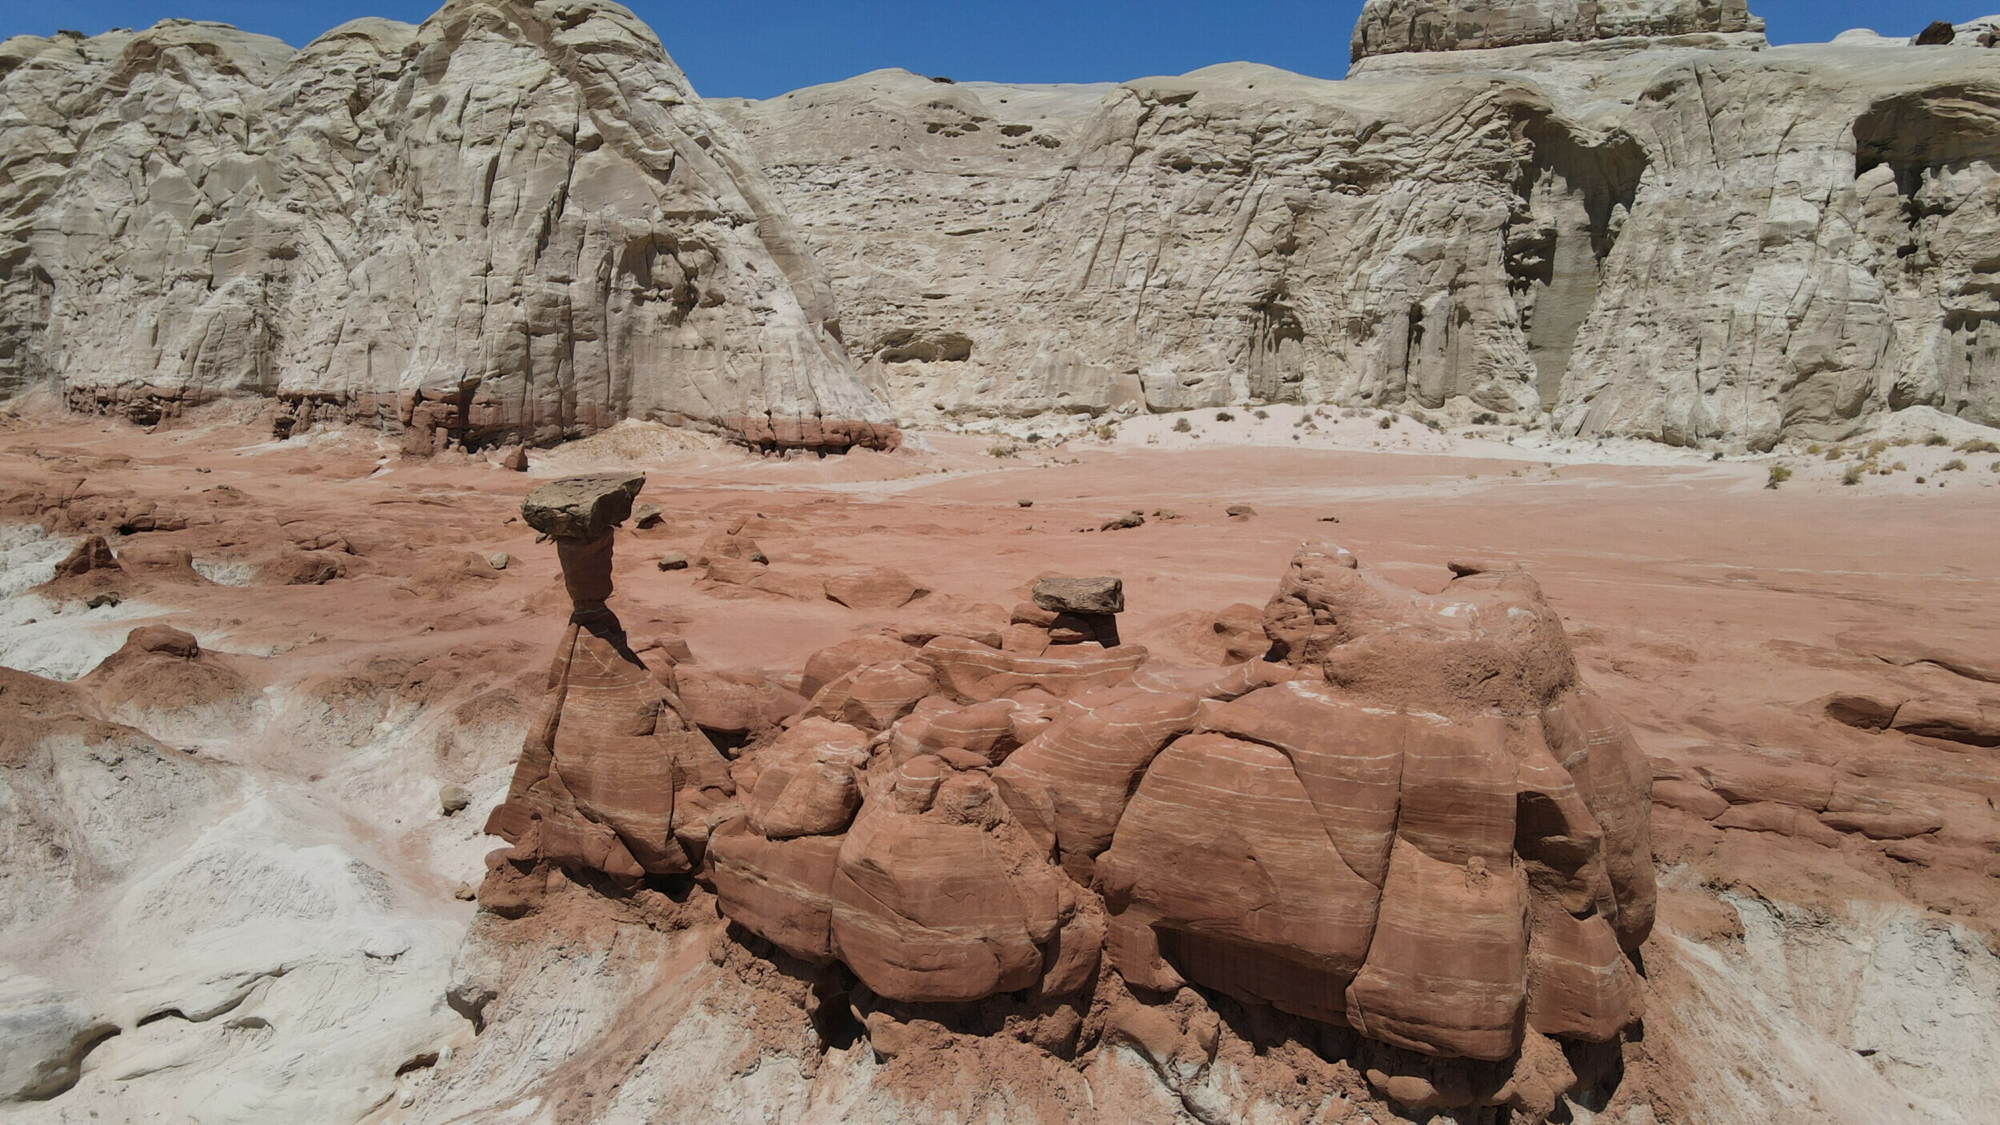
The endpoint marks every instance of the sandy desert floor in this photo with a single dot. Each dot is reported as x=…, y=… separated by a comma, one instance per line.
x=1800, y=965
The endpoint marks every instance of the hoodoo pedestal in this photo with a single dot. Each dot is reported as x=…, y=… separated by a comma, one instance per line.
x=613, y=777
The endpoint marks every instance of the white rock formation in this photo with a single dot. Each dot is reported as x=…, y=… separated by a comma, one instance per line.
x=1390, y=26
x=516, y=220
x=1694, y=239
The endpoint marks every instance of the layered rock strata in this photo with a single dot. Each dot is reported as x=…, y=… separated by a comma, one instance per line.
x=516, y=220
x=1409, y=817
x=1391, y=26
x=614, y=777
x=1694, y=239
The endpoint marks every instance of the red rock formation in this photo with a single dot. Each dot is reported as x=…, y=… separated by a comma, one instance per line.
x=1411, y=818
x=614, y=777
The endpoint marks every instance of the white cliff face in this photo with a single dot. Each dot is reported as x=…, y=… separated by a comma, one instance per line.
x=1687, y=240
x=516, y=220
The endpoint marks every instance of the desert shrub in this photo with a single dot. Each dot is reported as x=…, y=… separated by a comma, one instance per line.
x=1002, y=450
x=1779, y=475
x=1833, y=454
x=1815, y=448
x=1955, y=465
x=1978, y=445
x=1181, y=426
x=1260, y=415
x=1224, y=416
x=1107, y=431
x=1386, y=422
x=1034, y=439
x=1937, y=439
x=1485, y=418
x=1877, y=448
x=1852, y=475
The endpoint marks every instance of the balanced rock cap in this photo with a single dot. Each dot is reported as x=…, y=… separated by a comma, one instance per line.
x=1080, y=595
x=585, y=507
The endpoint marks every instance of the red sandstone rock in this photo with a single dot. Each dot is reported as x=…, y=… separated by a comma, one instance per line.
x=830, y=664
x=780, y=889
x=938, y=896
x=91, y=554
x=1071, y=784
x=875, y=587
x=1413, y=820
x=734, y=702
x=977, y=673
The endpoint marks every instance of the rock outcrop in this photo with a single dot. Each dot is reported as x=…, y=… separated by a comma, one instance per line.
x=518, y=222
x=515, y=221
x=1409, y=817
x=1677, y=233
x=1390, y=26
x=615, y=777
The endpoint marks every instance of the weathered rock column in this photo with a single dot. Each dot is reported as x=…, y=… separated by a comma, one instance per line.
x=579, y=513
x=612, y=778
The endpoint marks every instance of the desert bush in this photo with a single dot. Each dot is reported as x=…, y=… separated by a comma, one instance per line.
x=1955, y=465
x=1386, y=422
x=1852, y=475
x=1937, y=439
x=1779, y=475
x=1978, y=445
x=1224, y=416
x=1181, y=426
x=1002, y=450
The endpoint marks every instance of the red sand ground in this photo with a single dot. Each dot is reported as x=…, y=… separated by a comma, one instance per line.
x=1711, y=611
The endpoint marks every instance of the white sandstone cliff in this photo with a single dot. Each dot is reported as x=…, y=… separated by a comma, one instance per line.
x=515, y=221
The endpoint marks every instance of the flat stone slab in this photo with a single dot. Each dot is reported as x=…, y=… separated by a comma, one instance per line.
x=585, y=507
x=1080, y=595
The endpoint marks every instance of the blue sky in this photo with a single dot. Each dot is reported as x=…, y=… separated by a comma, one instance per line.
x=758, y=48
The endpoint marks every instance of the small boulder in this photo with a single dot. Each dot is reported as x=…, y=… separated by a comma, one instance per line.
x=1939, y=33
x=1239, y=511
x=647, y=515
x=1080, y=595
x=514, y=459
x=582, y=507
x=874, y=587
x=499, y=561
x=673, y=560
x=1025, y=503
x=1120, y=523
x=453, y=799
